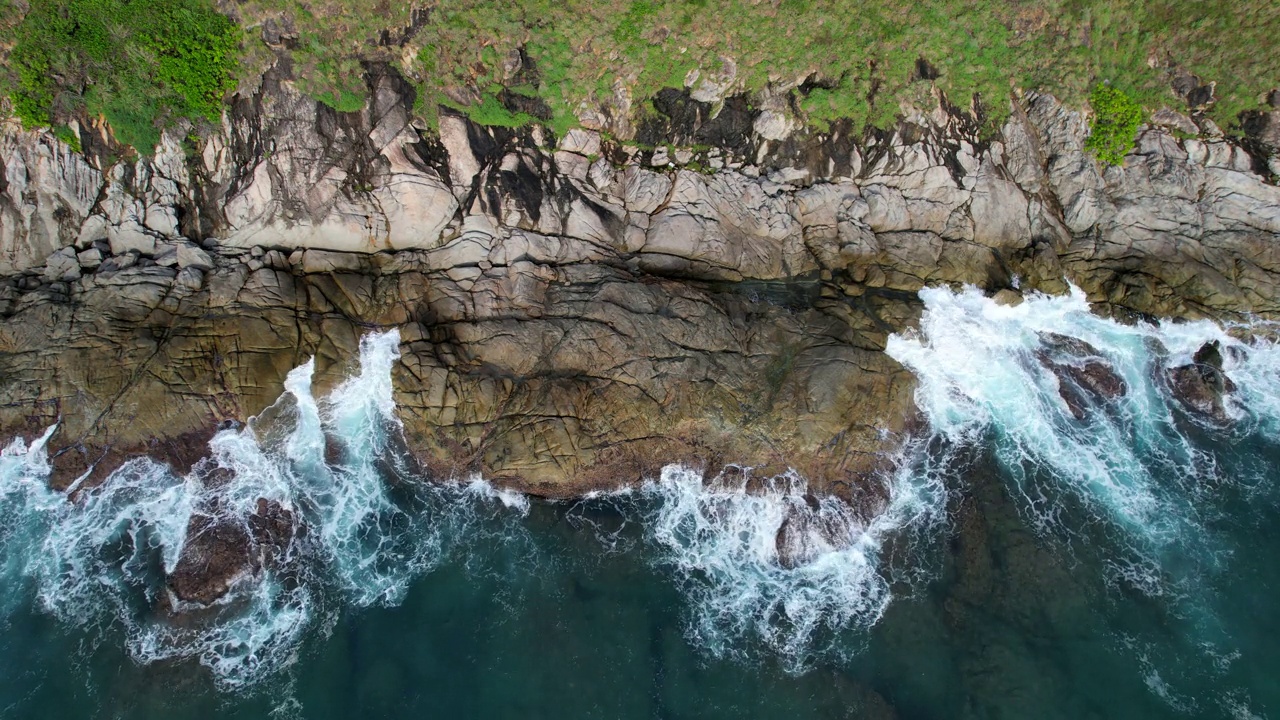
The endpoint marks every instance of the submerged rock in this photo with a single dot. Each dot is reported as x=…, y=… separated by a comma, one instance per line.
x=812, y=527
x=223, y=548
x=1201, y=385
x=1085, y=379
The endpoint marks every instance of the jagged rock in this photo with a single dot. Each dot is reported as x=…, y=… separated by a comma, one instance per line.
x=166, y=254
x=222, y=548
x=581, y=142
x=89, y=259
x=565, y=329
x=772, y=125
x=190, y=279
x=1201, y=385
x=808, y=531
x=1175, y=120
x=189, y=255
x=131, y=240
x=62, y=265
x=46, y=193
x=1085, y=379
x=321, y=261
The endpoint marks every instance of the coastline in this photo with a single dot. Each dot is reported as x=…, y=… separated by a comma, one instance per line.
x=578, y=309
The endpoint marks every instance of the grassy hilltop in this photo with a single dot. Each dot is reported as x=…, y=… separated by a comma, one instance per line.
x=141, y=63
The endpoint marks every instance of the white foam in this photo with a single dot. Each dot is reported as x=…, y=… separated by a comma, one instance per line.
x=367, y=527
x=1136, y=471
x=722, y=541
x=509, y=499
x=979, y=380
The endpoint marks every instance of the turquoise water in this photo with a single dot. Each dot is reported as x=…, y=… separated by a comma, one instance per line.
x=1026, y=564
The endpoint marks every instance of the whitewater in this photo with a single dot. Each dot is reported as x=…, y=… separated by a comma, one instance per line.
x=1135, y=488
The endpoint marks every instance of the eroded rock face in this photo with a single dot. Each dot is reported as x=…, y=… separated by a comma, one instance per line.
x=577, y=311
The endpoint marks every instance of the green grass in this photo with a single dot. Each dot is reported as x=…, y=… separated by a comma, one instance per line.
x=1116, y=118
x=489, y=111
x=136, y=62
x=68, y=136
x=863, y=57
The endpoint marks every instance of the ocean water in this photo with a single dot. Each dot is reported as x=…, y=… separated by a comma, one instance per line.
x=1029, y=560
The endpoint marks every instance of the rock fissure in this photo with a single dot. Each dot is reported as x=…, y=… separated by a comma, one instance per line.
x=576, y=312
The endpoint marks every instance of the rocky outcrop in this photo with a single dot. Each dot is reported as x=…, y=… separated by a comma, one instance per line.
x=578, y=310
x=222, y=549
x=1085, y=379
x=1201, y=386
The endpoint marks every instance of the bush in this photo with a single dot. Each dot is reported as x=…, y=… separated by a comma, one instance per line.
x=1116, y=118
x=490, y=111
x=138, y=62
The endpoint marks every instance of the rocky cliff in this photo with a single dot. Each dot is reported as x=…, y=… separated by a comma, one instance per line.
x=578, y=310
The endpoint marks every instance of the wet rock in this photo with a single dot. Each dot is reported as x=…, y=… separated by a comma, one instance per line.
x=215, y=556
x=222, y=549
x=1202, y=385
x=1085, y=379
x=811, y=528
x=1008, y=298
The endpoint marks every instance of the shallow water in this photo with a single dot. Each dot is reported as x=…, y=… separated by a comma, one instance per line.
x=1025, y=564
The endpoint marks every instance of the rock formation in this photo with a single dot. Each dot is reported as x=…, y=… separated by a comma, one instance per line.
x=1201, y=385
x=1084, y=378
x=576, y=311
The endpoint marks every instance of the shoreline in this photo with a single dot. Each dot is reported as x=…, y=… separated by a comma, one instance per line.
x=577, y=307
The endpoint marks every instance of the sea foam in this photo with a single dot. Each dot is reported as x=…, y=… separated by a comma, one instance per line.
x=364, y=528
x=765, y=563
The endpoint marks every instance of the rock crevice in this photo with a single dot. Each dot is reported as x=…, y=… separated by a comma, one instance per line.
x=576, y=311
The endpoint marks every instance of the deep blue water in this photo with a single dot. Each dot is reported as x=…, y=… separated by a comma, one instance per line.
x=1026, y=565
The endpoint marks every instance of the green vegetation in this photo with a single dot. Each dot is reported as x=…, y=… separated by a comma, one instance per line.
x=864, y=62
x=135, y=62
x=68, y=136
x=489, y=111
x=141, y=61
x=1116, y=118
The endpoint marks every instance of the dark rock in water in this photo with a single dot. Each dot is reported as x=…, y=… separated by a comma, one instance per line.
x=222, y=548
x=1084, y=378
x=810, y=529
x=1200, y=386
x=273, y=528
x=1209, y=354
x=215, y=556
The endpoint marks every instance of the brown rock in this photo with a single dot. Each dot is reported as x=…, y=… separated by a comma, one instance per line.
x=1085, y=380
x=222, y=549
x=1201, y=385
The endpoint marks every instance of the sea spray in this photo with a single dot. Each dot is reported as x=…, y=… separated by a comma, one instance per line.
x=766, y=564
x=1134, y=461
x=362, y=528
x=1107, y=462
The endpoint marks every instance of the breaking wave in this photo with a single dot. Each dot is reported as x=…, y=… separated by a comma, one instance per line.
x=765, y=563
x=1136, y=462
x=309, y=508
x=1110, y=453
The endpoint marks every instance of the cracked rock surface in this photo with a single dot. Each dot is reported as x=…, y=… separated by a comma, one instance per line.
x=576, y=312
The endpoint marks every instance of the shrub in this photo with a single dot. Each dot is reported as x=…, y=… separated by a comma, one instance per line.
x=491, y=111
x=138, y=62
x=1116, y=118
